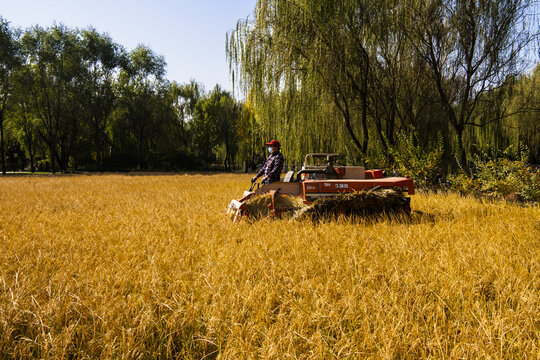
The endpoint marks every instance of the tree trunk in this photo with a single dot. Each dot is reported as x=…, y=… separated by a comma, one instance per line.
x=32, y=169
x=99, y=151
x=226, y=162
x=2, y=153
x=347, y=117
x=380, y=132
x=61, y=160
x=364, y=116
x=52, y=158
x=140, y=156
x=391, y=124
x=460, y=151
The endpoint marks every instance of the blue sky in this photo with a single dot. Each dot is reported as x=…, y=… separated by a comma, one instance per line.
x=189, y=34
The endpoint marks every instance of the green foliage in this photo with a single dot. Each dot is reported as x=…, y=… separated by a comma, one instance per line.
x=102, y=58
x=522, y=123
x=527, y=183
x=320, y=76
x=378, y=158
x=415, y=160
x=9, y=62
x=215, y=126
x=339, y=74
x=143, y=98
x=80, y=101
x=53, y=60
x=464, y=184
x=501, y=177
x=496, y=176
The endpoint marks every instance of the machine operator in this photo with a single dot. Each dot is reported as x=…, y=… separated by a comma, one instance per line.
x=271, y=169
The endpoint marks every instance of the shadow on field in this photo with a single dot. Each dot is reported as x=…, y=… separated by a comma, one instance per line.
x=106, y=173
x=419, y=217
x=416, y=217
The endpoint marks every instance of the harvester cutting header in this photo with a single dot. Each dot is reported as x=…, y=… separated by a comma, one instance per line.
x=322, y=188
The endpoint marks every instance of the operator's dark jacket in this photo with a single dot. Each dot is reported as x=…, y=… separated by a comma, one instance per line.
x=272, y=167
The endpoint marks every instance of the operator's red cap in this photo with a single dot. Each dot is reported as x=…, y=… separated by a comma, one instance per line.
x=274, y=143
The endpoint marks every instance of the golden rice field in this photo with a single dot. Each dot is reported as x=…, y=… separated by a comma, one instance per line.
x=149, y=267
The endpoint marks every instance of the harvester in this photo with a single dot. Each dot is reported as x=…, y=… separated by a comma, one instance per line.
x=323, y=188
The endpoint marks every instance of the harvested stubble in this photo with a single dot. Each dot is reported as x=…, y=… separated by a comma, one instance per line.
x=150, y=267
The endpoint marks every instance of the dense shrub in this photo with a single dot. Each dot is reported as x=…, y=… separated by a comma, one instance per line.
x=500, y=177
x=414, y=160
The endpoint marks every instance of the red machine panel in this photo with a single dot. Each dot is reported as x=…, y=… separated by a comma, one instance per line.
x=318, y=188
x=374, y=174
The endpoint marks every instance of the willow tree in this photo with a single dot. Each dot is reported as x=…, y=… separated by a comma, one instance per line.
x=472, y=47
x=521, y=122
x=309, y=49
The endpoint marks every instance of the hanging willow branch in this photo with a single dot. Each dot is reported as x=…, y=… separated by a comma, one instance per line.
x=350, y=68
x=295, y=49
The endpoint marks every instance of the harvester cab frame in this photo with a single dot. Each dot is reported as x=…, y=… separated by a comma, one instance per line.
x=326, y=169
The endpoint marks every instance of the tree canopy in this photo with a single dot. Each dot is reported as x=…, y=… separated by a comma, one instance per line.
x=73, y=99
x=372, y=80
x=359, y=72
